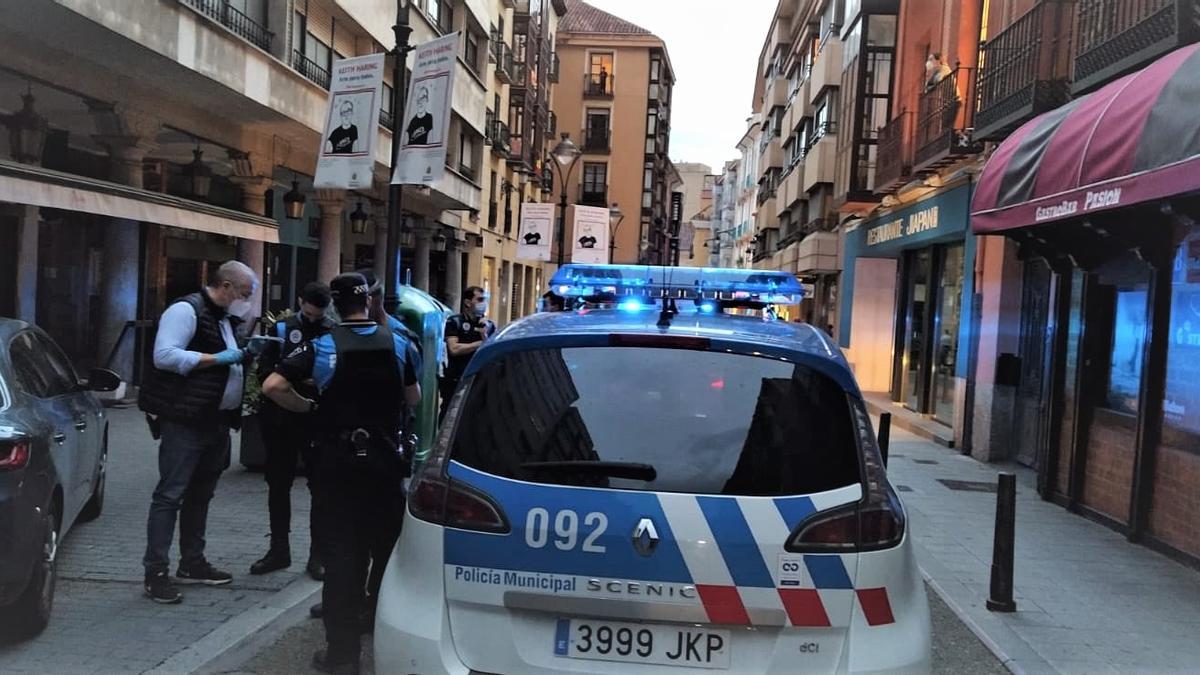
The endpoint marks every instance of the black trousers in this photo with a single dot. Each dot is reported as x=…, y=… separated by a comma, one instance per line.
x=446, y=388
x=359, y=504
x=286, y=439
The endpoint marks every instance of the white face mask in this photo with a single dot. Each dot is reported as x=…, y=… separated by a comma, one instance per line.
x=240, y=308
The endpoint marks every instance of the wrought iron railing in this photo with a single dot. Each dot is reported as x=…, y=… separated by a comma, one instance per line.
x=596, y=139
x=553, y=71
x=501, y=138
x=594, y=198
x=235, y=20
x=819, y=132
x=552, y=125
x=387, y=120
x=1118, y=35
x=893, y=158
x=598, y=85
x=943, y=113
x=1025, y=68
x=504, y=62
x=310, y=69
x=519, y=70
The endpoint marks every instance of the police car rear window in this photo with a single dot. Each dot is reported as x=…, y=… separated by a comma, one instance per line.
x=706, y=422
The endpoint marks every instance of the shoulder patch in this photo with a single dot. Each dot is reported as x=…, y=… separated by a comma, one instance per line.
x=295, y=337
x=296, y=352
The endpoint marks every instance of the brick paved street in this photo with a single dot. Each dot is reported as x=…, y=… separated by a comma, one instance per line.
x=102, y=623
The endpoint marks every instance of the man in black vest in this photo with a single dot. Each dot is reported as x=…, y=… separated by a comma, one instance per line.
x=465, y=334
x=192, y=397
x=365, y=384
x=287, y=435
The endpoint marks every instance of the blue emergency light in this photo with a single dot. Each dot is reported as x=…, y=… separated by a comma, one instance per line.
x=704, y=285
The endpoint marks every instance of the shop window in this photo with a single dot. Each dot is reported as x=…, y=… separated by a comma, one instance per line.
x=1181, y=404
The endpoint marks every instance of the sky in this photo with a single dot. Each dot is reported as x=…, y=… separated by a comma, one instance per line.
x=714, y=47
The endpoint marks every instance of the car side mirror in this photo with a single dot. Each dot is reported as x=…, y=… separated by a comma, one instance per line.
x=102, y=379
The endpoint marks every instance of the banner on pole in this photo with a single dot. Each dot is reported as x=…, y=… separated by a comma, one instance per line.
x=536, y=234
x=347, y=155
x=590, y=233
x=423, y=127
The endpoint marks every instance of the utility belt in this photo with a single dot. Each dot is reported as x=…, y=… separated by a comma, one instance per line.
x=364, y=442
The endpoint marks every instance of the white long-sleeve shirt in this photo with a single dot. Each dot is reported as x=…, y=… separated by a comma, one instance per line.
x=176, y=329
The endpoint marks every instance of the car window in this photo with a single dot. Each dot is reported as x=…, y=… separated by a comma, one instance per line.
x=29, y=377
x=708, y=422
x=60, y=373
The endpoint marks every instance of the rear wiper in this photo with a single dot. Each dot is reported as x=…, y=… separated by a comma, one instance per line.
x=630, y=470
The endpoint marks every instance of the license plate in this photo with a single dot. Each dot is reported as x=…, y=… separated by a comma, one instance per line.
x=642, y=643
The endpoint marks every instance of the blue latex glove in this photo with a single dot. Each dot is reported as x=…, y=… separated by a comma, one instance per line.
x=229, y=357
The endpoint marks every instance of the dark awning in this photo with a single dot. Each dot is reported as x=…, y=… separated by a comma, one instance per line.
x=1135, y=140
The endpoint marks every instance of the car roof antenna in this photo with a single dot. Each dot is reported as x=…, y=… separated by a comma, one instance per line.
x=668, y=303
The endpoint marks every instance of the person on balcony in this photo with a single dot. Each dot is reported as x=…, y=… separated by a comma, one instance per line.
x=936, y=70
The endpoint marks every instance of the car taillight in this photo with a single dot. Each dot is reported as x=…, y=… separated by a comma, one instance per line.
x=874, y=523
x=14, y=455
x=444, y=501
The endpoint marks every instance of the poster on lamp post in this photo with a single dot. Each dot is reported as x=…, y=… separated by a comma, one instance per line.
x=425, y=124
x=536, y=233
x=590, y=232
x=347, y=155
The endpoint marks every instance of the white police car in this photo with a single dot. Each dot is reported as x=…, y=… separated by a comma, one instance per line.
x=640, y=491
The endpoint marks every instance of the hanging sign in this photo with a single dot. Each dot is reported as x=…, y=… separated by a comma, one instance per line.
x=347, y=155
x=536, y=234
x=423, y=128
x=590, y=232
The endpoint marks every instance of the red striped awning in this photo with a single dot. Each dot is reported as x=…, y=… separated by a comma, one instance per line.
x=1136, y=140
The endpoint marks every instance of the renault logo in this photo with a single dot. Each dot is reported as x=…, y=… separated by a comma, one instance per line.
x=645, y=537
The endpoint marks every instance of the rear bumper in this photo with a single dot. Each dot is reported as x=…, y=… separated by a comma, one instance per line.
x=905, y=644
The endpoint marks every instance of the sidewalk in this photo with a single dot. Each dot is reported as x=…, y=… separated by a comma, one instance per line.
x=1087, y=600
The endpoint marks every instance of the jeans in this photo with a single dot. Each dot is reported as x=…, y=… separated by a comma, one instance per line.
x=286, y=439
x=360, y=507
x=191, y=458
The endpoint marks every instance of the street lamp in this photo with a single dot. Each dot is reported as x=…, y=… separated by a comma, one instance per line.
x=198, y=174
x=27, y=131
x=614, y=221
x=293, y=202
x=358, y=220
x=395, y=216
x=566, y=155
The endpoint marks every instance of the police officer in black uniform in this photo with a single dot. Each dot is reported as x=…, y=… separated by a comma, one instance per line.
x=288, y=435
x=465, y=334
x=365, y=384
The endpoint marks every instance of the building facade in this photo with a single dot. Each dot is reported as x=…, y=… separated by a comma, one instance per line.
x=614, y=102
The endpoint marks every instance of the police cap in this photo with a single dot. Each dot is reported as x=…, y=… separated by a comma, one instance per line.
x=349, y=285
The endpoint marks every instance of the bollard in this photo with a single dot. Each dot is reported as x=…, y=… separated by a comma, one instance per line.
x=1001, y=599
x=885, y=435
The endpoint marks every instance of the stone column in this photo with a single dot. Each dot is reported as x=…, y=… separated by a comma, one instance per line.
x=329, y=257
x=251, y=251
x=127, y=135
x=27, y=267
x=453, y=273
x=424, y=241
x=379, y=221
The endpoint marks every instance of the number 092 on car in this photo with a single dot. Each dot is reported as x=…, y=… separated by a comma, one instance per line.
x=694, y=647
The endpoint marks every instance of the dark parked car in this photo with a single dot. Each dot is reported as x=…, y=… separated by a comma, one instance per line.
x=53, y=450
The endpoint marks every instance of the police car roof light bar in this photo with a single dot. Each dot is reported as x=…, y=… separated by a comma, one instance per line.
x=766, y=286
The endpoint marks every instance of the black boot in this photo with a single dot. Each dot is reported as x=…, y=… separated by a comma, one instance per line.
x=278, y=557
x=314, y=567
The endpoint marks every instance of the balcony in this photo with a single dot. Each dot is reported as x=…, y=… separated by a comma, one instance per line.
x=310, y=69
x=893, y=164
x=553, y=71
x=501, y=141
x=519, y=71
x=944, y=119
x=819, y=160
x=503, y=55
x=827, y=70
x=387, y=120
x=771, y=156
x=235, y=20
x=1118, y=36
x=1026, y=69
x=597, y=140
x=552, y=125
x=779, y=92
x=593, y=198
x=598, y=86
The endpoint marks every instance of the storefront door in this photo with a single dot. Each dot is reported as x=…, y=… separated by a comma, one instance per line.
x=949, y=310
x=1032, y=406
x=918, y=268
